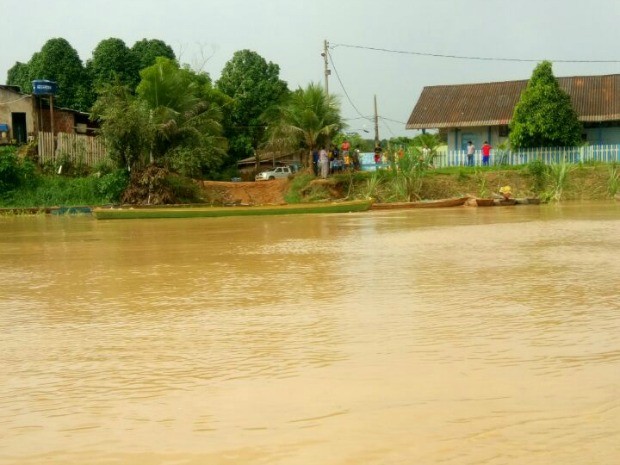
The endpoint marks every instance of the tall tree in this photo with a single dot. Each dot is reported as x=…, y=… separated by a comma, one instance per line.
x=125, y=125
x=58, y=61
x=113, y=61
x=19, y=75
x=544, y=116
x=308, y=119
x=147, y=50
x=254, y=85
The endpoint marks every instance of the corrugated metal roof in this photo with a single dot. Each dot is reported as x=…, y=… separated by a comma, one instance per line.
x=595, y=99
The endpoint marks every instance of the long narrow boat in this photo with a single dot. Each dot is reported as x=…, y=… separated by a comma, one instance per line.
x=211, y=212
x=485, y=202
x=456, y=202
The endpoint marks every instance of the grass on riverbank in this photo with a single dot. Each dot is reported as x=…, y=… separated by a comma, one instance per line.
x=556, y=182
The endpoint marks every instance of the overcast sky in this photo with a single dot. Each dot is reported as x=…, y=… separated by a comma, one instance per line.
x=290, y=33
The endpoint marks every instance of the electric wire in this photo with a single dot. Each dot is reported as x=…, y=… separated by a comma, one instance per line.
x=385, y=124
x=331, y=59
x=392, y=120
x=465, y=57
x=16, y=100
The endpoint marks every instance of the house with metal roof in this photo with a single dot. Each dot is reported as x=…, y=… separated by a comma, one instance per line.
x=480, y=112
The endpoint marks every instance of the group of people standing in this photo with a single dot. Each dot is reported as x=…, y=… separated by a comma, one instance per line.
x=485, y=150
x=326, y=161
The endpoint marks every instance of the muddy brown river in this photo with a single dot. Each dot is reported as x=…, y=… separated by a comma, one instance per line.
x=449, y=336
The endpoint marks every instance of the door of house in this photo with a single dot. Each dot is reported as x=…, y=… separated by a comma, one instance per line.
x=469, y=137
x=20, y=132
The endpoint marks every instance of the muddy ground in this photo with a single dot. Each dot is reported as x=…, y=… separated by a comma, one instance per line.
x=245, y=193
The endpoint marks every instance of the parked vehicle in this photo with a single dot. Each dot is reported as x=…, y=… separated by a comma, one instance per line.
x=275, y=173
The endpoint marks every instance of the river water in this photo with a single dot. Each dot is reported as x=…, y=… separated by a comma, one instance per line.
x=449, y=336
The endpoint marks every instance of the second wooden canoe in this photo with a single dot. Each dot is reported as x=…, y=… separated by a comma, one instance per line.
x=442, y=203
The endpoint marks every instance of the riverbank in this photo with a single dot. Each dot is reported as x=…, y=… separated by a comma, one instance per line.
x=572, y=182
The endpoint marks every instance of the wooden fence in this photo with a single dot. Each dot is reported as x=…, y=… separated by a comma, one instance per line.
x=75, y=148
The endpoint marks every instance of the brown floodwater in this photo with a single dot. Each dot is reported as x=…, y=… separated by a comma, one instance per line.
x=449, y=336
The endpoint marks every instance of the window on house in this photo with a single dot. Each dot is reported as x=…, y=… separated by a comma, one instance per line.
x=504, y=131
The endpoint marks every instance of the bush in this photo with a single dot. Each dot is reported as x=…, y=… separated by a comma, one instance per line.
x=14, y=172
x=112, y=185
x=539, y=172
x=185, y=190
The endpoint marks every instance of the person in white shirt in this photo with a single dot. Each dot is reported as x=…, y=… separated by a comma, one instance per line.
x=471, y=150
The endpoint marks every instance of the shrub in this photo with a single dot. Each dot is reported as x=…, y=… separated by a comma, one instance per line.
x=15, y=172
x=112, y=185
x=538, y=171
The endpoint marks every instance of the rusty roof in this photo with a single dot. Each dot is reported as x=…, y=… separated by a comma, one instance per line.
x=595, y=99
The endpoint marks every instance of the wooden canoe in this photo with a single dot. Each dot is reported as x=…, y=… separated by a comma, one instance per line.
x=422, y=204
x=485, y=202
x=213, y=212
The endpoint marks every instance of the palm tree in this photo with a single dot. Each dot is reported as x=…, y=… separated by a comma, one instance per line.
x=308, y=119
x=186, y=114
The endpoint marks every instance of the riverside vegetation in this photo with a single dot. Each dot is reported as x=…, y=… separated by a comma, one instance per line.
x=24, y=184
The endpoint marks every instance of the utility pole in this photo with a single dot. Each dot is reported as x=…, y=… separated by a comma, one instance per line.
x=376, y=124
x=326, y=62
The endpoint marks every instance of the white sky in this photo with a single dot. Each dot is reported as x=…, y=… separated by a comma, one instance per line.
x=291, y=33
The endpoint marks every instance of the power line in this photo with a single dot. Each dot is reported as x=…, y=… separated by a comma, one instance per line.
x=331, y=59
x=392, y=120
x=388, y=127
x=342, y=85
x=358, y=117
x=465, y=57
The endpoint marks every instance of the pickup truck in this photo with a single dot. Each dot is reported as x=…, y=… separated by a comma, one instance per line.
x=275, y=173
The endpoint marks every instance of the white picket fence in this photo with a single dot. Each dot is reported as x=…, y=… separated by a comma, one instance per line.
x=549, y=155
x=76, y=148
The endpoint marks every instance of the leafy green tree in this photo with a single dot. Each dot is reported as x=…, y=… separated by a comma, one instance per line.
x=58, y=61
x=19, y=75
x=147, y=50
x=113, y=62
x=356, y=141
x=308, y=119
x=125, y=125
x=544, y=116
x=254, y=86
x=427, y=143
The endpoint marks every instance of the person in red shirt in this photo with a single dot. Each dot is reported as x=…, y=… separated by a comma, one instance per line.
x=346, y=146
x=486, y=153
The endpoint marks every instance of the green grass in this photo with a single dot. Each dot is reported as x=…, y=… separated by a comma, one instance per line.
x=299, y=182
x=49, y=191
x=613, y=181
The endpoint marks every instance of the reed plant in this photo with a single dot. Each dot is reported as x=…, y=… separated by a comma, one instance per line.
x=372, y=185
x=558, y=175
x=613, y=180
x=408, y=173
x=482, y=183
